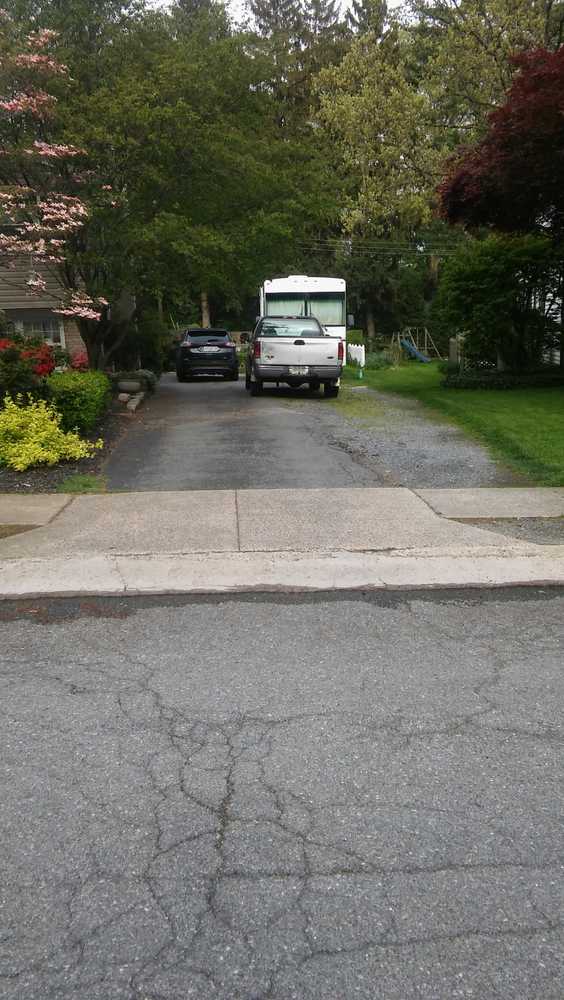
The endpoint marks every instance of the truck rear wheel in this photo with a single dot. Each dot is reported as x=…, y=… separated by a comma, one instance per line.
x=256, y=388
x=330, y=391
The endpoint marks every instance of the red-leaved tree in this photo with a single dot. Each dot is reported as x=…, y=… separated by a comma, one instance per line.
x=513, y=180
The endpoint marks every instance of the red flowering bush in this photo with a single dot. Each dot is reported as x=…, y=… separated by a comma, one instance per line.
x=79, y=361
x=24, y=365
x=42, y=359
x=41, y=356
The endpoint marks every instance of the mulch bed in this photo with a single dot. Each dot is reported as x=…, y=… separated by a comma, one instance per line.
x=46, y=479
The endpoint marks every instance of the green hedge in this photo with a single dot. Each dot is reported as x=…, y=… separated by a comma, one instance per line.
x=80, y=397
x=377, y=359
x=504, y=380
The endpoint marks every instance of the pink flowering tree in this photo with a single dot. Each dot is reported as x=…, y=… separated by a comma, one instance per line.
x=44, y=214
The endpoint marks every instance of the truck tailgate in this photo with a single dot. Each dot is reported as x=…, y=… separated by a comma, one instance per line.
x=302, y=351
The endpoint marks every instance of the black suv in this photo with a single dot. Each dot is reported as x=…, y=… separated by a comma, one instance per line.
x=206, y=352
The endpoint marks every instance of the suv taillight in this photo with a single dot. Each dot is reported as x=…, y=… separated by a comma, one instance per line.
x=256, y=349
x=341, y=351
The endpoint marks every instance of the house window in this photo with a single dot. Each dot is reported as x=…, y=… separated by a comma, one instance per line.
x=50, y=328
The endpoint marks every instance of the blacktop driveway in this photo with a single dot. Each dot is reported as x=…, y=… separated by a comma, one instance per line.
x=212, y=435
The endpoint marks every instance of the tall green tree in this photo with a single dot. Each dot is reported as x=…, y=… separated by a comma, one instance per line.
x=321, y=17
x=208, y=19
x=367, y=15
x=386, y=135
x=281, y=18
x=324, y=40
x=239, y=198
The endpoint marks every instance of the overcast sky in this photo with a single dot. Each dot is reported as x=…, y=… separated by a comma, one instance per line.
x=237, y=7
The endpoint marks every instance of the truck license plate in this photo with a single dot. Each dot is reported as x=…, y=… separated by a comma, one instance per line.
x=298, y=370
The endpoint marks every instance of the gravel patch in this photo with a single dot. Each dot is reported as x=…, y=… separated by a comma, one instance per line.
x=410, y=447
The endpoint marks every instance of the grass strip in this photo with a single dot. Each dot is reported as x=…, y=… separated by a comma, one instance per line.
x=82, y=482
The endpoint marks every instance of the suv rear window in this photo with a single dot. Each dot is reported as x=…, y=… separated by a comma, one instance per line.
x=274, y=327
x=204, y=335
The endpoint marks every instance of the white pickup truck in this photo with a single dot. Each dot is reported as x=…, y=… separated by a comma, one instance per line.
x=294, y=350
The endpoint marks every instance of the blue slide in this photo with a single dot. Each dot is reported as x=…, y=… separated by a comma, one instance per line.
x=414, y=352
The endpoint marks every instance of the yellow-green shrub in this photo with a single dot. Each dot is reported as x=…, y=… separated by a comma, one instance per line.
x=30, y=434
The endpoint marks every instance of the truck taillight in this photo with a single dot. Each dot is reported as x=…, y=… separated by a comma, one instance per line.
x=256, y=349
x=341, y=351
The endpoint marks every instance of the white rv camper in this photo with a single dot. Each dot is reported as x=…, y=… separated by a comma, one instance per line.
x=302, y=295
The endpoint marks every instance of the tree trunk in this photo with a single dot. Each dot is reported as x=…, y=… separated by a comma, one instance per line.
x=370, y=323
x=96, y=339
x=433, y=270
x=91, y=343
x=205, y=310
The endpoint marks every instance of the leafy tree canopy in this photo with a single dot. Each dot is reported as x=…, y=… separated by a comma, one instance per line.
x=464, y=51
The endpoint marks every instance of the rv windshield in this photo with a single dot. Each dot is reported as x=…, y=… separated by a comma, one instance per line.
x=286, y=304
x=327, y=307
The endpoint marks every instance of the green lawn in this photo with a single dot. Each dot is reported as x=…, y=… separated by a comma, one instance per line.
x=523, y=427
x=83, y=482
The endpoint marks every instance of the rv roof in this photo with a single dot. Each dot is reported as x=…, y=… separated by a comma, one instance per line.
x=306, y=283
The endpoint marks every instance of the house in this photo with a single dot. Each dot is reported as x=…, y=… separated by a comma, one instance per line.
x=32, y=312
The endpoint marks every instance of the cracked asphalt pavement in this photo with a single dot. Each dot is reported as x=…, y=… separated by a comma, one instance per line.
x=283, y=798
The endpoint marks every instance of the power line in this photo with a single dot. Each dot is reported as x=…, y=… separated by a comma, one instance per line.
x=378, y=244
x=379, y=251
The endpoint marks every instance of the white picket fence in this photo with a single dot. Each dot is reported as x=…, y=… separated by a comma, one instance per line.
x=357, y=353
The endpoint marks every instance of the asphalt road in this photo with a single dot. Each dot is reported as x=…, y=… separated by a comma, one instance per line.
x=212, y=435
x=282, y=798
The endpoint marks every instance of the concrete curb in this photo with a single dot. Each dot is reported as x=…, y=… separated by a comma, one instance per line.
x=132, y=574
